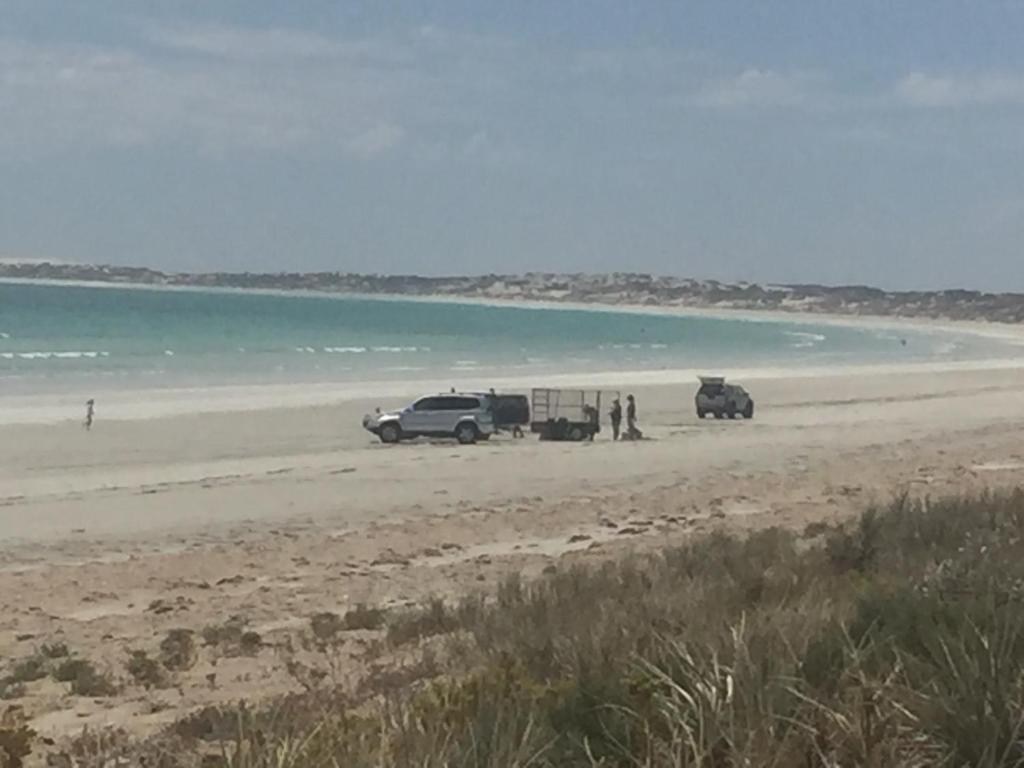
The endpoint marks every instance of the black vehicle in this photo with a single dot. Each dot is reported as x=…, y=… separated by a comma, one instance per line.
x=723, y=400
x=510, y=411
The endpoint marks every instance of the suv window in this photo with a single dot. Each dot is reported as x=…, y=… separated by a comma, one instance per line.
x=460, y=403
x=711, y=390
x=428, y=404
x=447, y=404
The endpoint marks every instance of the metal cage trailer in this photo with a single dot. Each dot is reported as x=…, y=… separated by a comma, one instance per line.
x=567, y=414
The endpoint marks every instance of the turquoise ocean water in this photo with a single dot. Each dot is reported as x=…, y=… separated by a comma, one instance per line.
x=63, y=338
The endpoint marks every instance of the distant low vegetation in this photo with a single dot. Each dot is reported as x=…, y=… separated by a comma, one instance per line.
x=896, y=640
x=620, y=288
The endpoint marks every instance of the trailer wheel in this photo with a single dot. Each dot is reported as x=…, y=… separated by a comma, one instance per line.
x=575, y=433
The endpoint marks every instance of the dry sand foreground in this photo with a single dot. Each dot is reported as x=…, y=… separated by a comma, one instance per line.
x=111, y=539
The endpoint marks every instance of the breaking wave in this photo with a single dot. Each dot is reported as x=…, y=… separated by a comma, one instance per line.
x=73, y=355
x=804, y=339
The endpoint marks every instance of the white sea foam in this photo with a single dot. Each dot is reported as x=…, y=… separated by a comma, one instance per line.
x=395, y=349
x=54, y=355
x=804, y=339
x=345, y=350
x=806, y=335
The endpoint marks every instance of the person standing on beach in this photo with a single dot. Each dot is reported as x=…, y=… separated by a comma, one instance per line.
x=90, y=411
x=615, y=414
x=631, y=429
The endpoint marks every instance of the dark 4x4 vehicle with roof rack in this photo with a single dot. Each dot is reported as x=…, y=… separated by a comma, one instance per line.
x=723, y=400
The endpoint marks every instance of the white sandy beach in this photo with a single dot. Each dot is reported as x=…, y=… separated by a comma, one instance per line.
x=288, y=507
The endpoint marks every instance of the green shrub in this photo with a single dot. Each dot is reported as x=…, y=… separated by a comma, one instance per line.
x=226, y=634
x=28, y=670
x=90, y=682
x=17, y=739
x=178, y=650
x=145, y=671
x=362, y=617
x=897, y=641
x=54, y=651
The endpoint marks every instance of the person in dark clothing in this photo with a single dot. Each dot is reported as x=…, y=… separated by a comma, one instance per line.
x=592, y=415
x=615, y=414
x=632, y=432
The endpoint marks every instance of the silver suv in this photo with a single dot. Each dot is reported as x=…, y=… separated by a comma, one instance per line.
x=723, y=400
x=466, y=417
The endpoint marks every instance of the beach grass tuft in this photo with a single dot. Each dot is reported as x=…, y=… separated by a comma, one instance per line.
x=894, y=640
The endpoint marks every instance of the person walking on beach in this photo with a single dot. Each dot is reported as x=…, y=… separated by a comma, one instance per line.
x=632, y=432
x=615, y=414
x=90, y=411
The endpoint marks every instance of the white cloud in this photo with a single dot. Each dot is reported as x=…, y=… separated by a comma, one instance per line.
x=277, y=44
x=630, y=62
x=216, y=88
x=377, y=139
x=761, y=88
x=922, y=90
x=57, y=96
x=247, y=44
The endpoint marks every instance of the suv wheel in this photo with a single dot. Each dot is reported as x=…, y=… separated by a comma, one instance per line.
x=730, y=410
x=390, y=433
x=576, y=434
x=748, y=412
x=466, y=433
x=700, y=413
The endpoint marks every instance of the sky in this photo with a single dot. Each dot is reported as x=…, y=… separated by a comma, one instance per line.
x=873, y=142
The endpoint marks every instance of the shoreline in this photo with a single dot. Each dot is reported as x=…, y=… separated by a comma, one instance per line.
x=985, y=328
x=165, y=403
x=134, y=403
